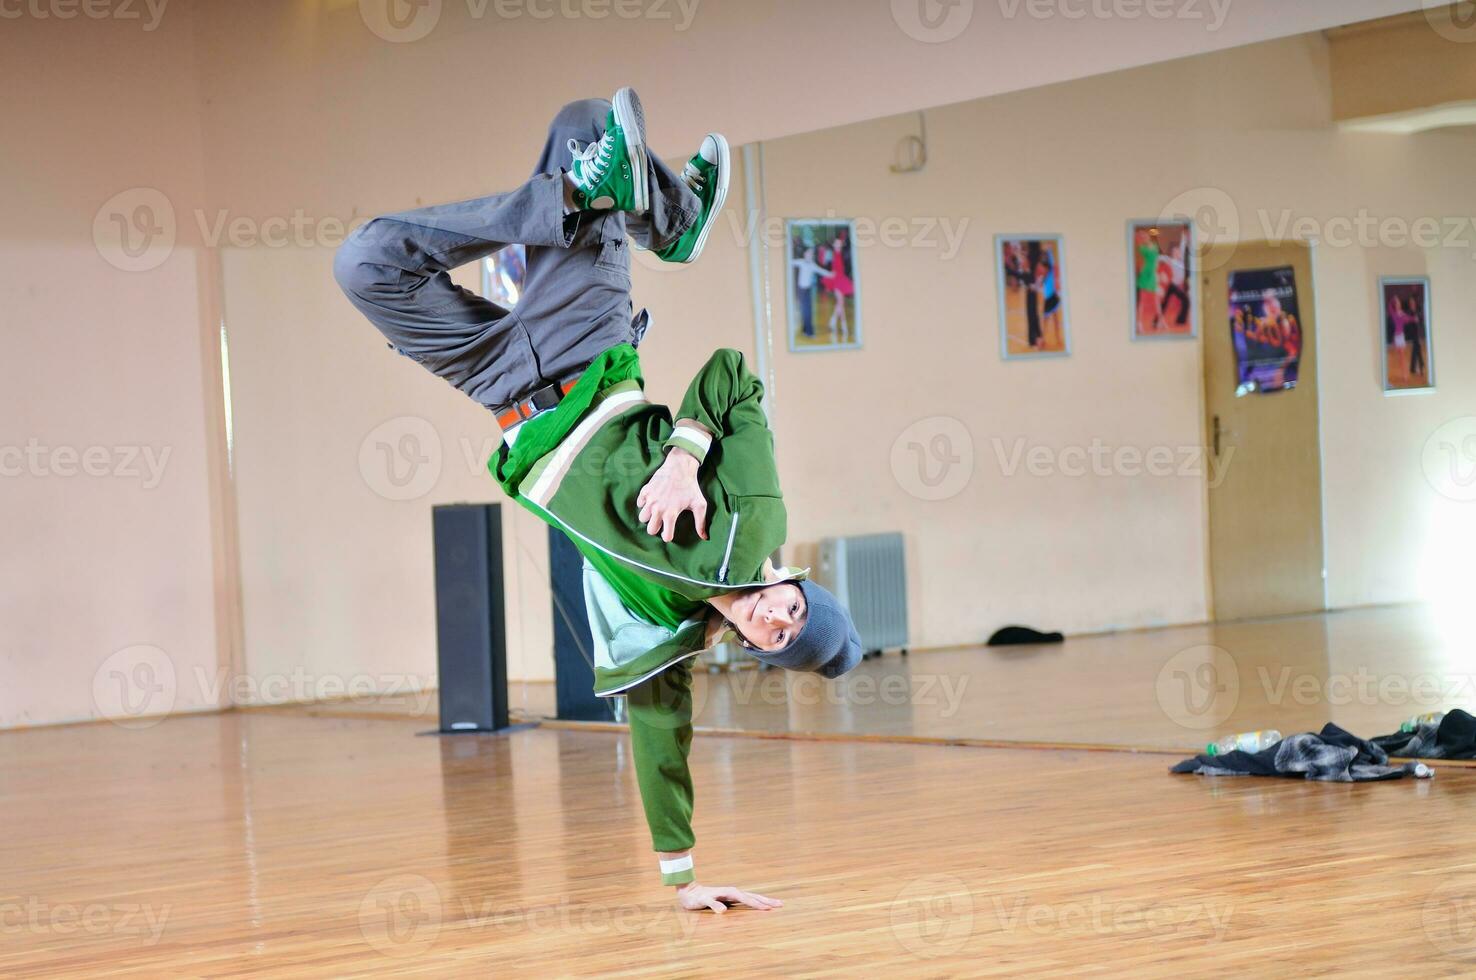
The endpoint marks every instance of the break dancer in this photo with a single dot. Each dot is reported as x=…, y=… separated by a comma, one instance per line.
x=676, y=519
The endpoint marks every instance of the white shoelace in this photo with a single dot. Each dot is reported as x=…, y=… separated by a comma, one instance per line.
x=595, y=158
x=693, y=177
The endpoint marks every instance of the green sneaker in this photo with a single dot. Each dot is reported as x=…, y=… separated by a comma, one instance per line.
x=707, y=174
x=610, y=175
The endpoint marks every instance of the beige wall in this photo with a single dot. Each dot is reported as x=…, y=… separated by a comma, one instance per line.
x=312, y=116
x=1090, y=553
x=103, y=553
x=1077, y=553
x=308, y=109
x=335, y=556
x=291, y=111
x=1399, y=64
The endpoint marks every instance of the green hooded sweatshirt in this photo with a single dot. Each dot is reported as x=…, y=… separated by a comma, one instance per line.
x=579, y=467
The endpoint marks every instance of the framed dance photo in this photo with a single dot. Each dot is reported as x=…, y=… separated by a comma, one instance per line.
x=824, y=291
x=1031, y=281
x=1408, y=356
x=1162, y=280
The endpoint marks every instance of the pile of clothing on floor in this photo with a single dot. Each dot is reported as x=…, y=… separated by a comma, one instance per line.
x=1335, y=755
x=1453, y=737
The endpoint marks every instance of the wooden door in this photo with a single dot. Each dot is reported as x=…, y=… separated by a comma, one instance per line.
x=1265, y=472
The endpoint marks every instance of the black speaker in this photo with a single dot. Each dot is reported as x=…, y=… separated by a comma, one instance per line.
x=573, y=649
x=471, y=632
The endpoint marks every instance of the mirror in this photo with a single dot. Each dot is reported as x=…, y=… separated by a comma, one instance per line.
x=1117, y=358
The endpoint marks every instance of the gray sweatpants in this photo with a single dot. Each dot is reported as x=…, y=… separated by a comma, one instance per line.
x=575, y=301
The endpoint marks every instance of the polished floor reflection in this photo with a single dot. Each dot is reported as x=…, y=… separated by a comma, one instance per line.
x=281, y=845
x=1172, y=689
x=1366, y=670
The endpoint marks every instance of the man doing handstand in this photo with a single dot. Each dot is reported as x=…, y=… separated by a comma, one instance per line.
x=588, y=453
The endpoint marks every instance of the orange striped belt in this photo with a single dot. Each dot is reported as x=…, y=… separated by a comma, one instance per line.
x=541, y=400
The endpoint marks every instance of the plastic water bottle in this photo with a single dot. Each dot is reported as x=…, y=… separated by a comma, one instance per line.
x=1244, y=742
x=1428, y=718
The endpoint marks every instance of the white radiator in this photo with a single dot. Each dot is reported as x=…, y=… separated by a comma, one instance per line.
x=868, y=573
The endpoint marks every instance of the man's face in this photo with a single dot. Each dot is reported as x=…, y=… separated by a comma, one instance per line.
x=771, y=617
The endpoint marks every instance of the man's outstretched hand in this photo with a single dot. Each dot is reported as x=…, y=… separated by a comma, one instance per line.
x=670, y=493
x=695, y=898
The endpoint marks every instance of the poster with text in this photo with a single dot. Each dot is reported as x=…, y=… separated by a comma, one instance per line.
x=1266, y=329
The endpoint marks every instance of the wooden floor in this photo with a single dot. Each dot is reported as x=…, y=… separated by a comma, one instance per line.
x=1167, y=689
x=287, y=845
x=1170, y=689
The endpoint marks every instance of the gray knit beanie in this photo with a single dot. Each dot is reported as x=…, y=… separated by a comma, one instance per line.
x=827, y=644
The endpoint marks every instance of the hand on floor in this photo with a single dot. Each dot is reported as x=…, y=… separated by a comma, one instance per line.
x=695, y=898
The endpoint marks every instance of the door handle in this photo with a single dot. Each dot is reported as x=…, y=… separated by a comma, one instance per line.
x=1217, y=437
